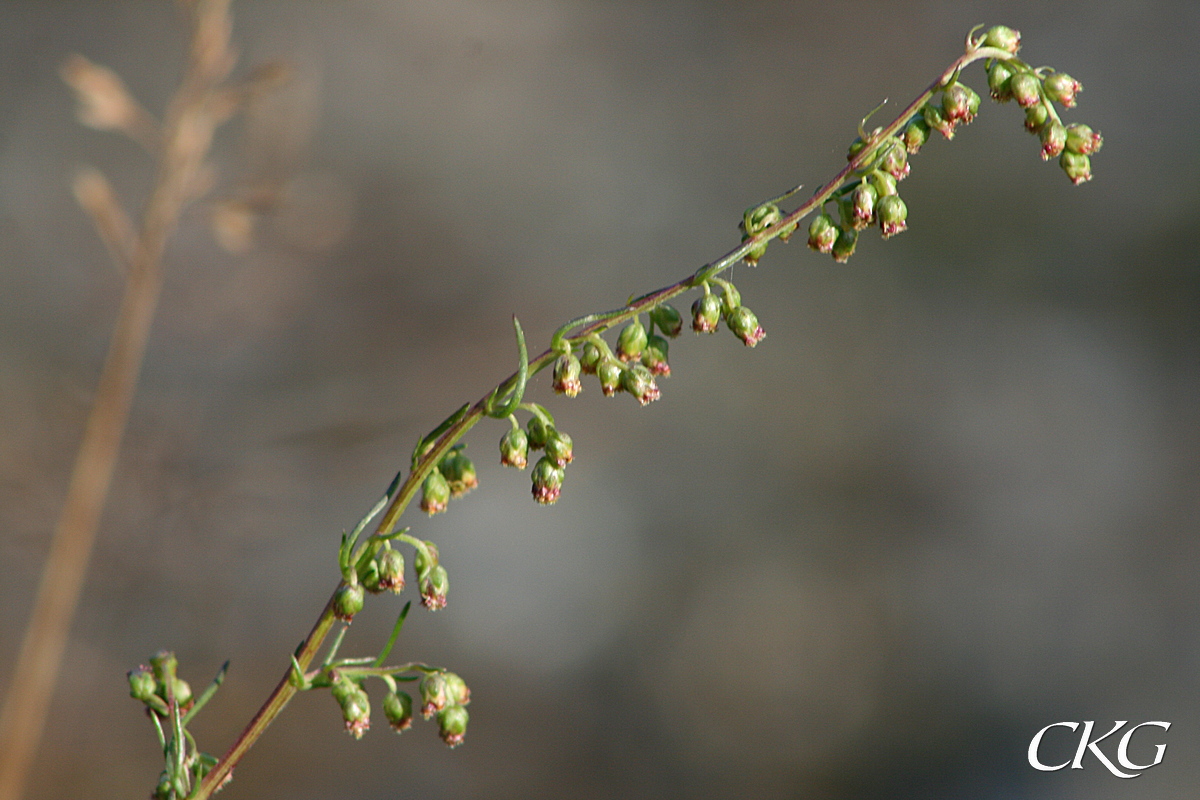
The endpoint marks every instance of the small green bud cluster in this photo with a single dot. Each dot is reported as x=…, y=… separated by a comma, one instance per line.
x=355, y=704
x=443, y=694
x=1036, y=91
x=710, y=308
x=757, y=219
x=454, y=477
x=641, y=355
x=540, y=434
x=157, y=685
x=432, y=579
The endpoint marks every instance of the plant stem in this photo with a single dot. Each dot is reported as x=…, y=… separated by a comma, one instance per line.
x=592, y=325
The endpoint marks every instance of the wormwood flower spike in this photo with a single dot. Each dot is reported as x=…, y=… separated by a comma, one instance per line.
x=863, y=193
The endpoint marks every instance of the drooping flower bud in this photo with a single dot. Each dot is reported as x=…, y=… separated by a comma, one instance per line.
x=731, y=298
x=434, y=588
x=745, y=326
x=590, y=358
x=1026, y=89
x=559, y=448
x=667, y=319
x=433, y=693
x=368, y=576
x=1054, y=139
x=452, y=723
x=455, y=690
x=459, y=472
x=435, y=493
x=142, y=683
x=425, y=559
x=884, y=183
x=609, y=373
x=566, y=375
x=355, y=705
x=864, y=198
x=348, y=601
x=631, y=341
x=1036, y=117
x=397, y=707
x=1003, y=38
x=892, y=213
x=164, y=664
x=822, y=233
x=391, y=570
x=959, y=104
x=1062, y=88
x=182, y=691
x=999, y=80
x=1077, y=166
x=843, y=248
x=539, y=431
x=916, y=133
x=895, y=162
x=639, y=382
x=547, y=481
x=706, y=313
x=655, y=357
x=514, y=448
x=1082, y=139
x=935, y=119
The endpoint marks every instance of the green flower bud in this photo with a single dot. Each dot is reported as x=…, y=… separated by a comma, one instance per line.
x=883, y=182
x=1062, y=88
x=547, y=481
x=639, y=382
x=559, y=448
x=348, y=601
x=459, y=472
x=433, y=693
x=183, y=692
x=759, y=218
x=609, y=373
x=1082, y=139
x=452, y=722
x=856, y=147
x=435, y=493
x=355, y=705
x=916, y=133
x=1077, y=166
x=566, y=375
x=959, y=104
x=368, y=576
x=434, y=588
x=895, y=161
x=631, y=341
x=539, y=431
x=655, y=357
x=165, y=789
x=1036, y=118
x=456, y=691
x=822, y=233
x=514, y=448
x=745, y=326
x=1054, y=139
x=142, y=683
x=706, y=313
x=755, y=253
x=391, y=570
x=864, y=198
x=731, y=298
x=1003, y=38
x=843, y=248
x=424, y=560
x=1026, y=89
x=397, y=707
x=667, y=319
x=999, y=78
x=590, y=358
x=164, y=664
x=892, y=213
x=935, y=119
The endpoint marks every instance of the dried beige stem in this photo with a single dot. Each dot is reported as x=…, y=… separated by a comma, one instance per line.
x=186, y=136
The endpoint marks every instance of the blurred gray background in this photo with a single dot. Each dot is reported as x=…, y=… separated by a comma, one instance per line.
x=951, y=499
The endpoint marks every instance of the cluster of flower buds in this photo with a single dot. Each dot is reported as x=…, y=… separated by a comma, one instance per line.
x=446, y=695
x=640, y=357
x=709, y=309
x=1036, y=91
x=383, y=572
x=453, y=478
x=432, y=578
x=157, y=685
x=540, y=434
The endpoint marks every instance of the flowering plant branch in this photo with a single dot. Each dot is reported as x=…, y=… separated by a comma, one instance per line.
x=863, y=193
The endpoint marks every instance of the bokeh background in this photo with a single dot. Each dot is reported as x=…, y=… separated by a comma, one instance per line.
x=951, y=499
